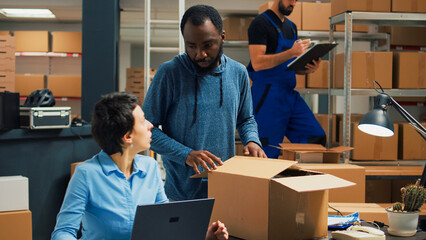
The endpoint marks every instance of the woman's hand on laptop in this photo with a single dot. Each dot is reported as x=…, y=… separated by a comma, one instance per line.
x=217, y=231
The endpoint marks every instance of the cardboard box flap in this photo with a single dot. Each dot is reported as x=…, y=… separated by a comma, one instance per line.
x=251, y=166
x=340, y=149
x=313, y=182
x=302, y=147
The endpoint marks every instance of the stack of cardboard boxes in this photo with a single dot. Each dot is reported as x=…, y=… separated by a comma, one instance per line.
x=66, y=43
x=7, y=63
x=15, y=216
x=135, y=81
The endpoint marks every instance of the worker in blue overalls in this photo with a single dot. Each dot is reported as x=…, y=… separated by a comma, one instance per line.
x=279, y=109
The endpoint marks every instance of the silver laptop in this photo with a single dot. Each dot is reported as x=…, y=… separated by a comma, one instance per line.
x=174, y=220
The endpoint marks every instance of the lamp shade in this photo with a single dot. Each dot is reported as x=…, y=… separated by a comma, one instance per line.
x=377, y=123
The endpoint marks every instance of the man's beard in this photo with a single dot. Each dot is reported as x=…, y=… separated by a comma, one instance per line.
x=286, y=11
x=213, y=65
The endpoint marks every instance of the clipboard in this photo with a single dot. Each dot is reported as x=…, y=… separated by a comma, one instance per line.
x=317, y=50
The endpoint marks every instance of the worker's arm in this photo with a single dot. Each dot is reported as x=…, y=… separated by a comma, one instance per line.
x=261, y=61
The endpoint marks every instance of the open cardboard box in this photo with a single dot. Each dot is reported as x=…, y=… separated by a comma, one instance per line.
x=260, y=198
x=311, y=153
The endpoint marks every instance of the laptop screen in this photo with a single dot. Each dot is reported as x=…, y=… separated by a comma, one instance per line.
x=174, y=220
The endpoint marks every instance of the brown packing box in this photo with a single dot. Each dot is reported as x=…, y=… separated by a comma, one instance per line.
x=7, y=81
x=366, y=68
x=323, y=121
x=66, y=42
x=5, y=33
x=355, y=28
x=410, y=145
x=16, y=225
x=339, y=6
x=315, y=16
x=350, y=172
x=8, y=42
x=270, y=198
x=339, y=122
x=27, y=83
x=300, y=81
x=32, y=41
x=409, y=6
x=369, y=147
x=319, y=78
x=295, y=16
x=311, y=153
x=405, y=36
x=409, y=70
x=65, y=85
x=236, y=28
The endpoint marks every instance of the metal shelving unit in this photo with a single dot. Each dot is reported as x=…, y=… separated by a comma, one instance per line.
x=363, y=18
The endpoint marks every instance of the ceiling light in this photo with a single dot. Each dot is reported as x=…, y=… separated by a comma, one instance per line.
x=27, y=13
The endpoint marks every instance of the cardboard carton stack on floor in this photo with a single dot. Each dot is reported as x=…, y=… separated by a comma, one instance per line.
x=15, y=216
x=135, y=82
x=261, y=198
x=7, y=63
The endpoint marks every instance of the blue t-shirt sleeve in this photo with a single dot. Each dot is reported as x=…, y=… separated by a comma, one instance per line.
x=69, y=218
x=161, y=194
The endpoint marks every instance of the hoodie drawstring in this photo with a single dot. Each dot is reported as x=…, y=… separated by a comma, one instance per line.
x=196, y=96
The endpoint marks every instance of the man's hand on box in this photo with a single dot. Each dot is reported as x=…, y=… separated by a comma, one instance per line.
x=254, y=150
x=206, y=159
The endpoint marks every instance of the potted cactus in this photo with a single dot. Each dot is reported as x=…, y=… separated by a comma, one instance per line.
x=403, y=218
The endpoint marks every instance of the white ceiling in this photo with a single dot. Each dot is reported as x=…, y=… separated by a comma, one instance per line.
x=132, y=16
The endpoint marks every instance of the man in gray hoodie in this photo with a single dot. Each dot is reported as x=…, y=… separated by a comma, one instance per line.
x=199, y=98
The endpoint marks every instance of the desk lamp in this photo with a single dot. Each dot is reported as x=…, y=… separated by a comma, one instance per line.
x=378, y=123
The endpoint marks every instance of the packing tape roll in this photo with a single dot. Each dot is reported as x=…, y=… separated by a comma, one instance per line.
x=370, y=70
x=422, y=65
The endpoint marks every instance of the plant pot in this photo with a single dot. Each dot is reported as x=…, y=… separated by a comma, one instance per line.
x=403, y=224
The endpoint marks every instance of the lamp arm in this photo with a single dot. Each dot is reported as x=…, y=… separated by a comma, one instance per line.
x=410, y=119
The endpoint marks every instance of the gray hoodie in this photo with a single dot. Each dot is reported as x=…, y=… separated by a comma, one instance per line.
x=223, y=104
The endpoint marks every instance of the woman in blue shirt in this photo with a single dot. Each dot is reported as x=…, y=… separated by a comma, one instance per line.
x=105, y=190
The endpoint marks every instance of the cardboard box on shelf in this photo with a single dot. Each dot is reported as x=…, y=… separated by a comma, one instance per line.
x=369, y=147
x=366, y=68
x=339, y=123
x=300, y=81
x=350, y=172
x=16, y=225
x=409, y=70
x=311, y=153
x=32, y=41
x=340, y=6
x=319, y=78
x=289, y=201
x=404, y=36
x=295, y=16
x=315, y=16
x=409, y=6
x=323, y=121
x=66, y=42
x=65, y=85
x=410, y=144
x=5, y=33
x=7, y=81
x=14, y=191
x=236, y=28
x=7, y=42
x=355, y=28
x=25, y=84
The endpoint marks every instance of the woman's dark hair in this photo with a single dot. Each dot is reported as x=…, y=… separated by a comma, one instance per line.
x=198, y=14
x=112, y=119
